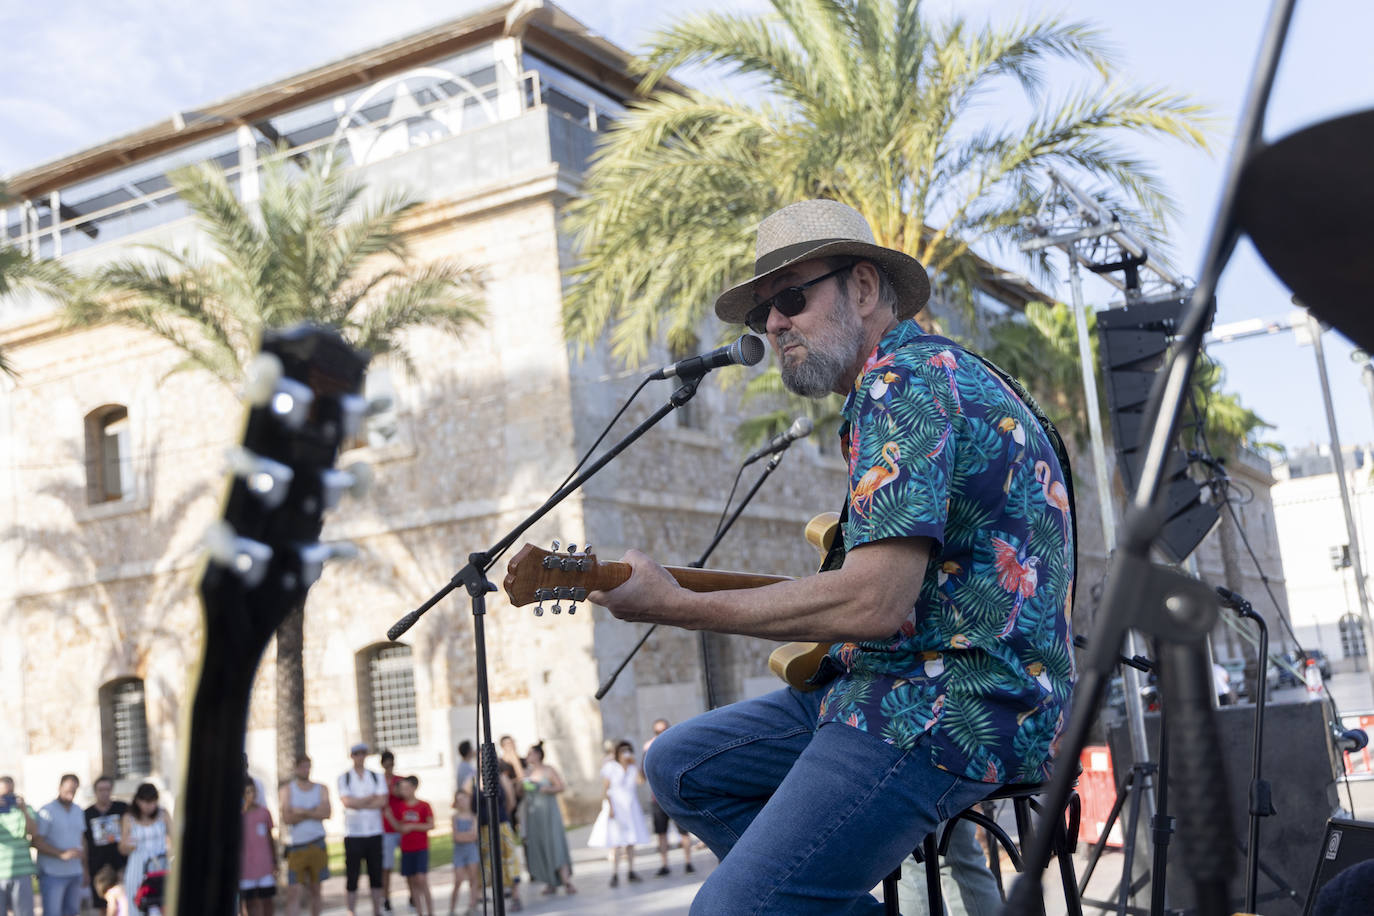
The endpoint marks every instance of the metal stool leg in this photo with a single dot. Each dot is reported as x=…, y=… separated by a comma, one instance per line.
x=890, y=893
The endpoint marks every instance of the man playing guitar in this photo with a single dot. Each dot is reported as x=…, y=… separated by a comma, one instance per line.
x=952, y=662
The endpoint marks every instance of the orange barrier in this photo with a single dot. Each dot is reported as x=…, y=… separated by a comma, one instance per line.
x=1359, y=763
x=1097, y=789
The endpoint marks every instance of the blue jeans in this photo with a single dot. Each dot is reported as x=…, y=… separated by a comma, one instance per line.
x=61, y=894
x=804, y=819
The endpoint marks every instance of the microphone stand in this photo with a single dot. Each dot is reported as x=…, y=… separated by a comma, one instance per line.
x=1261, y=799
x=473, y=578
x=697, y=564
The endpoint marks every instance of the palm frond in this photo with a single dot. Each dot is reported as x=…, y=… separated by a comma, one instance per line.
x=314, y=246
x=864, y=102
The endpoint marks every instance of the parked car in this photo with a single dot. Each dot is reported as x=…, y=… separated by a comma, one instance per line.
x=1287, y=671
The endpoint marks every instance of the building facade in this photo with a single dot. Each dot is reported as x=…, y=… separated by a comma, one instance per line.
x=1316, y=547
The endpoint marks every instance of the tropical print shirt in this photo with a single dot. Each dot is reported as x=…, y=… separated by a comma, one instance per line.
x=940, y=447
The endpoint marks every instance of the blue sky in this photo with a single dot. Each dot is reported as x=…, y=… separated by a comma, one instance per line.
x=79, y=71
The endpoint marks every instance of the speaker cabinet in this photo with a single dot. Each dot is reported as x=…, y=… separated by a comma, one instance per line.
x=1347, y=843
x=1301, y=766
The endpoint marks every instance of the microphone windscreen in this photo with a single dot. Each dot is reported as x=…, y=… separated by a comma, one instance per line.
x=800, y=428
x=750, y=350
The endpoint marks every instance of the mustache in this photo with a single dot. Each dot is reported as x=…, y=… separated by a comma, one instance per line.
x=790, y=337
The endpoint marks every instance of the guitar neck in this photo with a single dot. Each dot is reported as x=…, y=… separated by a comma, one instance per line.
x=691, y=578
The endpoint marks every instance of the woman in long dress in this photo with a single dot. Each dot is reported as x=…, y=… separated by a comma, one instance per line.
x=620, y=825
x=145, y=835
x=546, y=842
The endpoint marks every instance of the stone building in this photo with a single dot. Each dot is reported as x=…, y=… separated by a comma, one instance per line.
x=113, y=464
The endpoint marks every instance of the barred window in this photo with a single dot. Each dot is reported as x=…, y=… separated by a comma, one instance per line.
x=386, y=696
x=124, y=729
x=1352, y=637
x=109, y=455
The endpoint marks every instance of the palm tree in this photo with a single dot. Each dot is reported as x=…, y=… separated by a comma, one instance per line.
x=862, y=101
x=312, y=248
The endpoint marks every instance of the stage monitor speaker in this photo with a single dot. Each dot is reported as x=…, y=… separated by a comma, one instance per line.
x=1347, y=843
x=1301, y=766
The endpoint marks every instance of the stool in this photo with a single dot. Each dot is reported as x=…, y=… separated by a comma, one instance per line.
x=1024, y=799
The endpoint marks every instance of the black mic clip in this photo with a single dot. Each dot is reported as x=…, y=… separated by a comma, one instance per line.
x=1233, y=600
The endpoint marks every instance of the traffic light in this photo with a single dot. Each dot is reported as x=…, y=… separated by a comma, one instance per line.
x=1134, y=342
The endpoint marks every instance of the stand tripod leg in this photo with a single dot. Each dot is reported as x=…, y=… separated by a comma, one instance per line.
x=1122, y=793
x=1133, y=787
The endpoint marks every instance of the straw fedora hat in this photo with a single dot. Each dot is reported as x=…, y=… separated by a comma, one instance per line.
x=820, y=229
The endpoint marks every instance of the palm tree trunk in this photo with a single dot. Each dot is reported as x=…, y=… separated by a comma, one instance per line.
x=290, y=690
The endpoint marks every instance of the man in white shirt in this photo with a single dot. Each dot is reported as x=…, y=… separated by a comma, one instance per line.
x=363, y=794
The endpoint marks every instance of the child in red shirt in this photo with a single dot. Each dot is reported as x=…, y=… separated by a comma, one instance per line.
x=413, y=820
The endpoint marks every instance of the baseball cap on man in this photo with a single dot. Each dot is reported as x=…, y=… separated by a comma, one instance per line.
x=360, y=747
x=823, y=229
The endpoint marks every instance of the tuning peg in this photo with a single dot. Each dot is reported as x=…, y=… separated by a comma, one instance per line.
x=587, y=548
x=356, y=480
x=352, y=409
x=572, y=608
x=248, y=558
x=269, y=480
x=554, y=546
x=557, y=609
x=261, y=379
x=291, y=402
x=572, y=549
x=312, y=558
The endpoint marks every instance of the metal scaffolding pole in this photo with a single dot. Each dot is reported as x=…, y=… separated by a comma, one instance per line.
x=1338, y=463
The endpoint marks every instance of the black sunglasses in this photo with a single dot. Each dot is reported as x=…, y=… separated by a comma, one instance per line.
x=791, y=302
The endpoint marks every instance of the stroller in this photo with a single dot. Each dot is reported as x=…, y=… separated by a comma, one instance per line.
x=147, y=898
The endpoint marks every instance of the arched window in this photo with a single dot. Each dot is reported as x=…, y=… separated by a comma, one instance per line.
x=109, y=455
x=386, y=696
x=124, y=729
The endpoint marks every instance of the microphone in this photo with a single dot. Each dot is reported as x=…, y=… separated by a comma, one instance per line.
x=800, y=429
x=746, y=351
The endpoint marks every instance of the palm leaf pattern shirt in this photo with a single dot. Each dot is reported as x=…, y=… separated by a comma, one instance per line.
x=940, y=447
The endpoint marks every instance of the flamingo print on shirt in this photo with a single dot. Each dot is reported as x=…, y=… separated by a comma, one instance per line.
x=861, y=497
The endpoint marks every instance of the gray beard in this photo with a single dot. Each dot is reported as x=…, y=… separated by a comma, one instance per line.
x=829, y=357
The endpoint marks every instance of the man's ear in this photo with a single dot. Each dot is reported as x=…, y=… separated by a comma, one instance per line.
x=865, y=277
